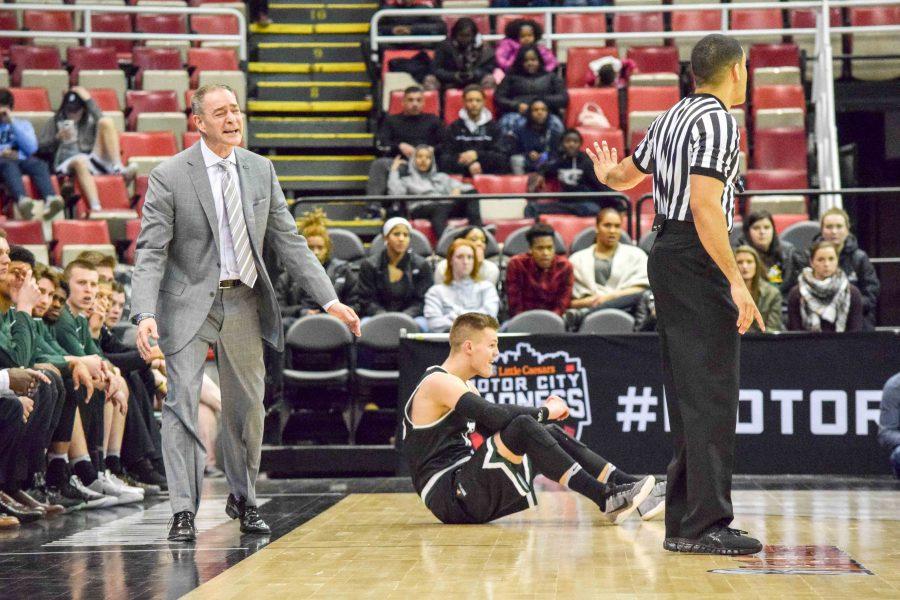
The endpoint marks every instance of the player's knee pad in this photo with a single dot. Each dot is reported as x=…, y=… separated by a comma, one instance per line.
x=524, y=434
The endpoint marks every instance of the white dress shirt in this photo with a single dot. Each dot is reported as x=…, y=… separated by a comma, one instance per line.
x=229, y=268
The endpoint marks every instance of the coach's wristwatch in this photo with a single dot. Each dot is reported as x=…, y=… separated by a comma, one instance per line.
x=136, y=319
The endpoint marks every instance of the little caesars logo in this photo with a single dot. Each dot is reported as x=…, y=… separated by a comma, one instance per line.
x=525, y=377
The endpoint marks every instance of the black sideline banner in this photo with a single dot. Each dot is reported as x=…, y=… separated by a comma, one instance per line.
x=809, y=402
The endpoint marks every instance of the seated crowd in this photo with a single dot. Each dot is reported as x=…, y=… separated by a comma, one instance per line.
x=78, y=142
x=77, y=401
x=831, y=286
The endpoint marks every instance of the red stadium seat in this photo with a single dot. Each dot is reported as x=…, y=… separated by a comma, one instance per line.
x=147, y=143
x=500, y=184
x=774, y=55
x=160, y=23
x=82, y=57
x=482, y=22
x=113, y=23
x=504, y=20
x=214, y=24
x=31, y=57
x=47, y=20
x=453, y=102
x=502, y=229
x=210, y=59
x=112, y=193
x=577, y=69
x=655, y=59
x=424, y=227
x=778, y=96
x=780, y=149
x=783, y=221
x=614, y=138
x=31, y=99
x=652, y=98
x=391, y=54
x=189, y=138
x=78, y=232
x=132, y=231
x=432, y=103
x=696, y=20
x=106, y=98
x=641, y=22
x=7, y=23
x=776, y=179
x=137, y=102
x=805, y=18
x=757, y=18
x=584, y=23
x=141, y=182
x=22, y=233
x=157, y=59
x=605, y=98
x=568, y=226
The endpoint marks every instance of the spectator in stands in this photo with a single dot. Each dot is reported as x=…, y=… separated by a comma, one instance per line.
x=571, y=168
x=539, y=278
x=853, y=261
x=398, y=135
x=824, y=299
x=293, y=298
x=535, y=140
x=18, y=143
x=766, y=295
x=518, y=34
x=462, y=290
x=417, y=25
x=889, y=421
x=609, y=71
x=526, y=82
x=259, y=12
x=609, y=274
x=488, y=270
x=395, y=279
x=463, y=59
x=474, y=144
x=782, y=261
x=83, y=143
x=423, y=179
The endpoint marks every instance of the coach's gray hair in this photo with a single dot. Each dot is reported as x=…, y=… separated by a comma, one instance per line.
x=197, y=98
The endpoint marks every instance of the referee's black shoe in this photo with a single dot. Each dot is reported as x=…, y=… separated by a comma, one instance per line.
x=716, y=540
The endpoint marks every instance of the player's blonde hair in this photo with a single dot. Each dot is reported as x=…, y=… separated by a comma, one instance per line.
x=468, y=323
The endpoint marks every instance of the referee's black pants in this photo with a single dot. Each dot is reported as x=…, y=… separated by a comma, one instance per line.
x=700, y=359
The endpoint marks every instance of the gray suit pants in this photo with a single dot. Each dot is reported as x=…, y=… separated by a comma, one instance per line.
x=232, y=328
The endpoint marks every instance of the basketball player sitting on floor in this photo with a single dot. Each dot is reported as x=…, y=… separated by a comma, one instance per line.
x=461, y=485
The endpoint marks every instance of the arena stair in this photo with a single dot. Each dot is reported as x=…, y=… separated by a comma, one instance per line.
x=310, y=96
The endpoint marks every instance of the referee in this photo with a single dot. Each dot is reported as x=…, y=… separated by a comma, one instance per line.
x=702, y=304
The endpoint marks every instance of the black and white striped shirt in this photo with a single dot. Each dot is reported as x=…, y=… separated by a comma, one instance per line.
x=696, y=136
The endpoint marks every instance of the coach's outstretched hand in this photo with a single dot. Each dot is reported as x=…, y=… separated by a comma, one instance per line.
x=559, y=410
x=346, y=315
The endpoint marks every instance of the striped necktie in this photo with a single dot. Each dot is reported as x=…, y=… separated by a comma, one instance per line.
x=239, y=237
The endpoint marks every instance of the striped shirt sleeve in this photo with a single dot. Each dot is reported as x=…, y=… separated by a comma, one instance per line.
x=713, y=139
x=643, y=154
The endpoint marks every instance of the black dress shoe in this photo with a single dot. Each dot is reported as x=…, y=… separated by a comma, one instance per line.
x=183, y=527
x=251, y=522
x=234, y=508
x=12, y=508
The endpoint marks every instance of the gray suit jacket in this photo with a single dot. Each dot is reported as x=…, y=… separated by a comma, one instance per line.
x=177, y=268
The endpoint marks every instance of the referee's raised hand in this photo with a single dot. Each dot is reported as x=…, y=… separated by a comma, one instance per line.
x=604, y=159
x=747, y=310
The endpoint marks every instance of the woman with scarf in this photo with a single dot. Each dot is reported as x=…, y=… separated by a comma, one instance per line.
x=423, y=179
x=782, y=262
x=535, y=140
x=462, y=59
x=395, y=279
x=526, y=82
x=462, y=290
x=824, y=299
x=766, y=296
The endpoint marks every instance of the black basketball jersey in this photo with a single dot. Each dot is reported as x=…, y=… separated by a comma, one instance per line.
x=435, y=449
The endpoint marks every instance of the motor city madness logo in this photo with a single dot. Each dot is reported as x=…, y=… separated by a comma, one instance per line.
x=526, y=377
